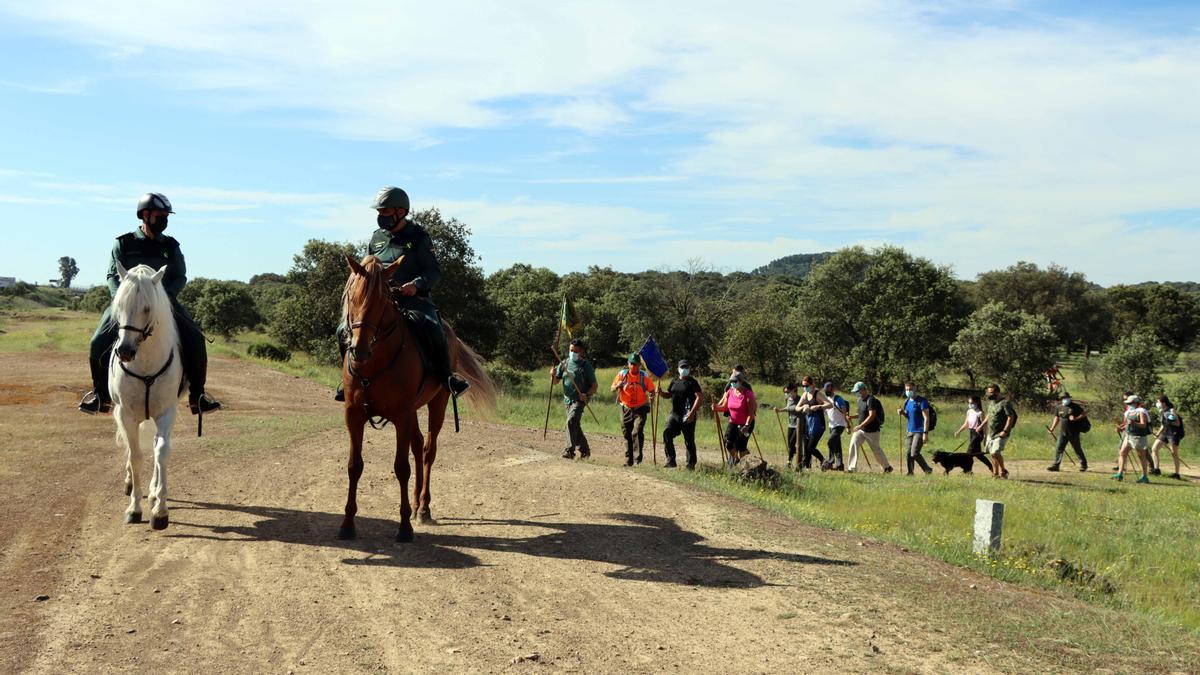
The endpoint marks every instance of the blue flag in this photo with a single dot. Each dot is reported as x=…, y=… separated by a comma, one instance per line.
x=653, y=358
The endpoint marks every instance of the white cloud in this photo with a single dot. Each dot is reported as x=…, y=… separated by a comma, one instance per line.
x=909, y=120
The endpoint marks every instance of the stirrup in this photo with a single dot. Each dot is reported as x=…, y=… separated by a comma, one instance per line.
x=92, y=404
x=457, y=385
x=204, y=403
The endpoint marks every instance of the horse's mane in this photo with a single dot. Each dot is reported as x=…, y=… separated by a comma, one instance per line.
x=137, y=288
x=362, y=290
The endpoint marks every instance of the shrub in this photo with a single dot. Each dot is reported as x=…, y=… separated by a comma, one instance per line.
x=221, y=307
x=97, y=299
x=1185, y=394
x=269, y=351
x=509, y=381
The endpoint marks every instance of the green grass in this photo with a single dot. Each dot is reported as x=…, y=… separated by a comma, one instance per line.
x=43, y=329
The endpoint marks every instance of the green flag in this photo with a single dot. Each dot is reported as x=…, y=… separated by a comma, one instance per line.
x=570, y=318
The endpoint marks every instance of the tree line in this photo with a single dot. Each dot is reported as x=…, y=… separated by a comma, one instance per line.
x=880, y=315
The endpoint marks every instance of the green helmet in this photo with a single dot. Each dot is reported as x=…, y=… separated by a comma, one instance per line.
x=391, y=198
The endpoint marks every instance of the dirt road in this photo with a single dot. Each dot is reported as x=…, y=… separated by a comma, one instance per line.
x=536, y=562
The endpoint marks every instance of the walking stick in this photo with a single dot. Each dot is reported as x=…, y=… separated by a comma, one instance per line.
x=757, y=446
x=720, y=439
x=782, y=433
x=549, y=402
x=654, y=429
x=1049, y=431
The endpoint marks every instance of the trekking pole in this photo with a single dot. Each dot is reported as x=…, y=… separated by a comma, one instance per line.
x=782, y=433
x=654, y=429
x=549, y=402
x=757, y=446
x=720, y=439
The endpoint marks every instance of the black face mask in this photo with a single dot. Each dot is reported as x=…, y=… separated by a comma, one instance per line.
x=158, y=226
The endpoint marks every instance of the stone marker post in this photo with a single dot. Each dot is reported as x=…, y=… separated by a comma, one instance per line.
x=989, y=520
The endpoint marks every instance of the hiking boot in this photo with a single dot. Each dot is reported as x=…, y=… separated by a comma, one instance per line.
x=585, y=454
x=203, y=403
x=1156, y=471
x=639, y=458
x=458, y=386
x=569, y=453
x=340, y=394
x=628, y=461
x=1143, y=479
x=1118, y=476
x=1004, y=474
x=92, y=405
x=1176, y=476
x=887, y=469
x=670, y=464
x=1052, y=467
x=929, y=471
x=1083, y=467
x=692, y=467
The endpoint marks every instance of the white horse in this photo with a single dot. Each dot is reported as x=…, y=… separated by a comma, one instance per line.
x=145, y=379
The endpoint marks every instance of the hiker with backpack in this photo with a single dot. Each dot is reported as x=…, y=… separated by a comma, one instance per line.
x=1071, y=421
x=973, y=423
x=1135, y=427
x=870, y=420
x=812, y=404
x=836, y=416
x=921, y=420
x=1169, y=434
x=1000, y=417
x=634, y=391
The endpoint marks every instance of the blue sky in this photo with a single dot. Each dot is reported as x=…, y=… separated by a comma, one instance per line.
x=635, y=135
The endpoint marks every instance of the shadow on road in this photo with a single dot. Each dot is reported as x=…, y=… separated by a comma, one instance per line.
x=641, y=547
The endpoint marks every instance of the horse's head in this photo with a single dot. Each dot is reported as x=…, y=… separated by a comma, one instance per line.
x=367, y=304
x=140, y=305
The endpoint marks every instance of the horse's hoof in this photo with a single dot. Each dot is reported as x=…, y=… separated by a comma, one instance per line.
x=159, y=522
x=346, y=532
x=404, y=534
x=133, y=518
x=426, y=518
x=128, y=489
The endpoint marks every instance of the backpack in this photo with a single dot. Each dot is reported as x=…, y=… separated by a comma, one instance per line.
x=1180, y=433
x=878, y=408
x=1085, y=425
x=932, y=418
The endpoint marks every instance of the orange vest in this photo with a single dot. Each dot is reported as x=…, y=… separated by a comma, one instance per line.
x=632, y=396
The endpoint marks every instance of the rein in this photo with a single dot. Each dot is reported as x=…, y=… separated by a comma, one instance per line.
x=148, y=380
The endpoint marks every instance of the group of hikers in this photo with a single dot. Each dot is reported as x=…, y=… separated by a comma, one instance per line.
x=812, y=412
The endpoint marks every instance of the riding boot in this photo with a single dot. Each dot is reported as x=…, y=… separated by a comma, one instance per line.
x=437, y=350
x=194, y=359
x=340, y=394
x=98, y=399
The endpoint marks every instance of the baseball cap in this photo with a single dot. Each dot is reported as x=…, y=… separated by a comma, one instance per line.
x=858, y=386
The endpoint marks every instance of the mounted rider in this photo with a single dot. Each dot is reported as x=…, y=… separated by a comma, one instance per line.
x=412, y=282
x=148, y=246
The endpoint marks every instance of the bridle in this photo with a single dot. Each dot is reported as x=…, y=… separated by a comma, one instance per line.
x=365, y=382
x=147, y=380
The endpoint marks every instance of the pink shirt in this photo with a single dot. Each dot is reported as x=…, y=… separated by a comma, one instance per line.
x=973, y=419
x=741, y=406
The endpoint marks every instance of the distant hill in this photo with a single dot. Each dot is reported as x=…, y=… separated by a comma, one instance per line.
x=798, y=265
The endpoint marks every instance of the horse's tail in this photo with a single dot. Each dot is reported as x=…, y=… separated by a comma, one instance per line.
x=482, y=394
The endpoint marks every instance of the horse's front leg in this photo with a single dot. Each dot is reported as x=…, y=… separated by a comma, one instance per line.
x=127, y=429
x=354, y=468
x=404, y=432
x=158, y=484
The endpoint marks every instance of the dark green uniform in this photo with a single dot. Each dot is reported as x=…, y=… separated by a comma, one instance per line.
x=420, y=266
x=133, y=249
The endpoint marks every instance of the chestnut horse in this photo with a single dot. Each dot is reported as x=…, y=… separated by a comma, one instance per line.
x=383, y=376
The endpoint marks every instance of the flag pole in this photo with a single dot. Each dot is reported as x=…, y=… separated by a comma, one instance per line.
x=550, y=397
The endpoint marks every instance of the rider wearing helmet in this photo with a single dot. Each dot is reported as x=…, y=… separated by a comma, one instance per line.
x=147, y=245
x=412, y=282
